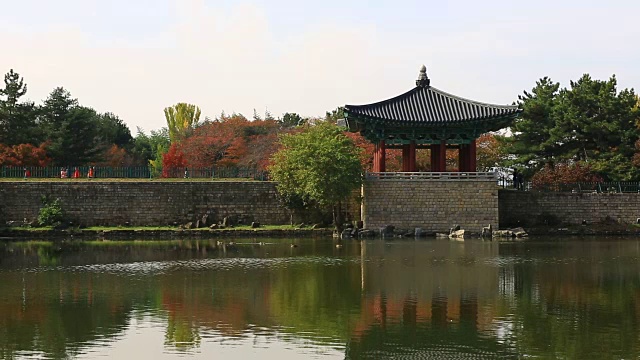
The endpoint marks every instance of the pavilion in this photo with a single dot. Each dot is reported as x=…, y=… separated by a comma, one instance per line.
x=427, y=118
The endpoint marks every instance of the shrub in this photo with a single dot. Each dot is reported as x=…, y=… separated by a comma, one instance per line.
x=51, y=213
x=550, y=177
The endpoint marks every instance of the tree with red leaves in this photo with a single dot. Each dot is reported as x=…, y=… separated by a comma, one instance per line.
x=564, y=174
x=24, y=155
x=490, y=152
x=173, y=162
x=231, y=141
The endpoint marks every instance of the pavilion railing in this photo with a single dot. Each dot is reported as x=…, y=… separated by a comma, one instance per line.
x=440, y=176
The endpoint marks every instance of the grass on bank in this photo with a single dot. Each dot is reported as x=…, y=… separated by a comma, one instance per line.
x=164, y=228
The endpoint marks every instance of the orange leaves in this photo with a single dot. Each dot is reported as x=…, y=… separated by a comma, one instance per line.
x=24, y=155
x=115, y=156
x=231, y=141
x=366, y=146
x=490, y=152
x=565, y=174
x=173, y=160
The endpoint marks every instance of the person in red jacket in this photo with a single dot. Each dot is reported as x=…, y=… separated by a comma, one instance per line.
x=76, y=174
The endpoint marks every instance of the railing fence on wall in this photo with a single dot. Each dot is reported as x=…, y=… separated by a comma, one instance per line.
x=592, y=187
x=132, y=172
x=507, y=183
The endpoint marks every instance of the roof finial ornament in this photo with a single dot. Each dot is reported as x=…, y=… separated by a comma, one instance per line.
x=423, y=80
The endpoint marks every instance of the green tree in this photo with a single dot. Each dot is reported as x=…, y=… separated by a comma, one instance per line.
x=142, y=149
x=149, y=149
x=531, y=141
x=14, y=88
x=320, y=165
x=17, y=120
x=591, y=122
x=268, y=116
x=333, y=115
x=72, y=130
x=256, y=116
x=597, y=125
x=181, y=118
x=112, y=130
x=291, y=120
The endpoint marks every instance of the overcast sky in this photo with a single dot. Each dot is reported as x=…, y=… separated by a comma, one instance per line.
x=136, y=57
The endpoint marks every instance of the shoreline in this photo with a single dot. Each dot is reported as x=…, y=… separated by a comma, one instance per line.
x=17, y=234
x=155, y=233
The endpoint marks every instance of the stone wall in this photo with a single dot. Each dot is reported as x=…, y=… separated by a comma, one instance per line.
x=145, y=203
x=524, y=208
x=434, y=205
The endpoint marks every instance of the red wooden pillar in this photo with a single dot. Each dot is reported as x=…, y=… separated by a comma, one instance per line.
x=462, y=158
x=379, y=164
x=412, y=157
x=443, y=156
x=376, y=162
x=406, y=158
x=379, y=157
x=472, y=156
x=435, y=157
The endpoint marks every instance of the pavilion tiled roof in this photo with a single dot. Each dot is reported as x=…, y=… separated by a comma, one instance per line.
x=426, y=105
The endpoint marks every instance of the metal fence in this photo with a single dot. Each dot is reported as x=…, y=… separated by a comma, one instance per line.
x=507, y=182
x=582, y=187
x=131, y=172
x=593, y=187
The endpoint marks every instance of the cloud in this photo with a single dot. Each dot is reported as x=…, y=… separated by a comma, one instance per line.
x=230, y=59
x=220, y=60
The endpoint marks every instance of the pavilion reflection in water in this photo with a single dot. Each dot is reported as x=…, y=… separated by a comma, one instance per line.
x=445, y=298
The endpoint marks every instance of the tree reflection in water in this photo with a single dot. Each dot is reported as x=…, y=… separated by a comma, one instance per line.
x=575, y=299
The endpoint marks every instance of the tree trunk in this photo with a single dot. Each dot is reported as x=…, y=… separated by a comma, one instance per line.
x=337, y=217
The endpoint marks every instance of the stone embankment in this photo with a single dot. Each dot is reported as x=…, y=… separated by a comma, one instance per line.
x=562, y=209
x=146, y=203
x=143, y=234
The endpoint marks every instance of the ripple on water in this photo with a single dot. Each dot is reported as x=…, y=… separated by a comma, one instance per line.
x=152, y=268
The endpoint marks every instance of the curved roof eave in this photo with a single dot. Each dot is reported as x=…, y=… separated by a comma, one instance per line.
x=430, y=106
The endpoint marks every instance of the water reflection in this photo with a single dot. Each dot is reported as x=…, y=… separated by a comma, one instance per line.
x=438, y=299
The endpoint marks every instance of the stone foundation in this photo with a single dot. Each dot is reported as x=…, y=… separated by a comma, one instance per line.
x=434, y=205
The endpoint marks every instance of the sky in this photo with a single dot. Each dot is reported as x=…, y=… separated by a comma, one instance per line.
x=136, y=57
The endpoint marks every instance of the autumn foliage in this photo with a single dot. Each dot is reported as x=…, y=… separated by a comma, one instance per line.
x=490, y=152
x=564, y=174
x=24, y=155
x=173, y=160
x=115, y=156
x=231, y=141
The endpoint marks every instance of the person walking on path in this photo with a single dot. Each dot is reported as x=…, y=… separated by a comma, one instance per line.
x=520, y=181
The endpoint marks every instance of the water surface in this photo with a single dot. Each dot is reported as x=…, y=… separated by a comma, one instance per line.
x=546, y=298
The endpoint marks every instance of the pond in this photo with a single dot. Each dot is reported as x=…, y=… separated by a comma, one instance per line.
x=542, y=298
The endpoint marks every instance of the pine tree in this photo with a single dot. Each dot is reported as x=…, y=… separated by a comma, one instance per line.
x=17, y=120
